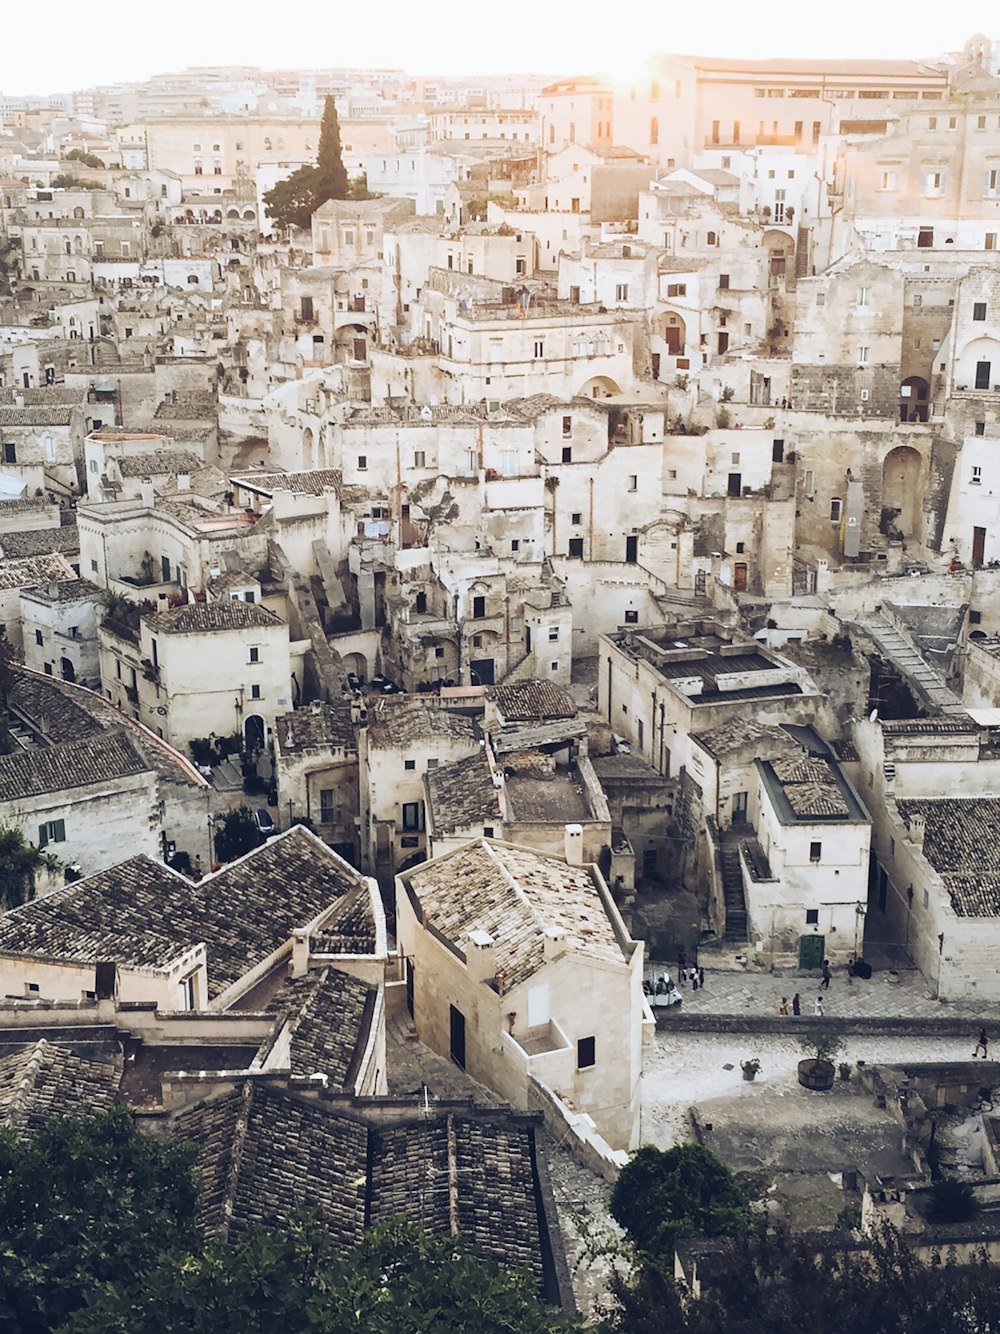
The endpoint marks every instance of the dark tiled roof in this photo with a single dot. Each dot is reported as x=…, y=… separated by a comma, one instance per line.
x=187, y=407
x=462, y=795
x=330, y=1014
x=41, y=542
x=735, y=733
x=326, y=725
x=533, y=700
x=34, y=415
x=35, y=570
x=97, y=759
x=200, y=617
x=158, y=463
x=265, y=1154
x=141, y=913
x=349, y=927
x=960, y=842
x=67, y=590
x=42, y=1081
x=918, y=726
x=311, y=483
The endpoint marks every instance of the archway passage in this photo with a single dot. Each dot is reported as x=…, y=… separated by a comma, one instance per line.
x=900, y=490
x=914, y=399
x=674, y=332
x=254, y=733
x=67, y=669
x=598, y=386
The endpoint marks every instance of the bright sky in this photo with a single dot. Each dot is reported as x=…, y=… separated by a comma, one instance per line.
x=63, y=45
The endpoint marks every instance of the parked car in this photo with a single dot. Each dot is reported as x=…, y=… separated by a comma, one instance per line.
x=262, y=819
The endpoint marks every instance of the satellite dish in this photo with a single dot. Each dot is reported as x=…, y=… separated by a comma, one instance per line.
x=873, y=715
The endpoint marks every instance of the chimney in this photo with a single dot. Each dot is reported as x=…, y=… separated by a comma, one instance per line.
x=574, y=844
x=53, y=592
x=146, y=494
x=300, y=951
x=480, y=957
x=19, y=400
x=553, y=943
x=917, y=830
x=183, y=481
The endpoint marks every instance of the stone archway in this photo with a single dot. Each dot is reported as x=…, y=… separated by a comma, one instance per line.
x=673, y=331
x=900, y=490
x=914, y=396
x=598, y=386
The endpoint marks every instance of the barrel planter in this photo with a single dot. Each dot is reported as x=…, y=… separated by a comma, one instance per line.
x=816, y=1075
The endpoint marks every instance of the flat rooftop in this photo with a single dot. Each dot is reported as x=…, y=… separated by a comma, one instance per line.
x=560, y=799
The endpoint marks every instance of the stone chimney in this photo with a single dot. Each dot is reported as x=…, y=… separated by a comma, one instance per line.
x=554, y=943
x=300, y=951
x=146, y=494
x=480, y=957
x=574, y=844
x=916, y=831
x=53, y=592
x=183, y=481
x=19, y=400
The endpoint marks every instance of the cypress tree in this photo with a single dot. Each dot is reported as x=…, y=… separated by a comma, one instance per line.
x=332, y=180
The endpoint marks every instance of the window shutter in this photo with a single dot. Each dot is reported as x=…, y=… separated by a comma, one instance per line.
x=60, y=831
x=42, y=836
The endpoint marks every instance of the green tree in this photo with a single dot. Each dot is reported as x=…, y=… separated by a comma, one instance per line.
x=64, y=181
x=952, y=1201
x=331, y=182
x=18, y=862
x=662, y=1196
x=237, y=835
x=80, y=155
x=84, y=1204
x=9, y=665
x=292, y=201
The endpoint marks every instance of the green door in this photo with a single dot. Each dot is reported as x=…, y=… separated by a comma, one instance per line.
x=811, y=951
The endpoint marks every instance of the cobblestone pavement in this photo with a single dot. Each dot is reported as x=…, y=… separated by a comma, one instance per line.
x=683, y=1069
x=899, y=995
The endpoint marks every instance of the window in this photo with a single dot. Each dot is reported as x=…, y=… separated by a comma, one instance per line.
x=977, y=475
x=586, y=1054
x=836, y=509
x=255, y=690
x=934, y=183
x=439, y=652
x=864, y=297
x=815, y=851
x=990, y=241
x=621, y=291
x=9, y=452
x=812, y=917
x=419, y=458
x=633, y=482
x=631, y=616
x=53, y=831
x=992, y=182
x=553, y=634
x=983, y=369
x=38, y=638
x=409, y=765
x=676, y=289
x=979, y=310
x=567, y=425
x=863, y=353
x=724, y=280
x=362, y=462
x=777, y=451
x=539, y=349
x=432, y=764
x=478, y=608
x=253, y=653
x=567, y=454
x=654, y=131
x=975, y=617
x=411, y=815
x=515, y=544
x=887, y=181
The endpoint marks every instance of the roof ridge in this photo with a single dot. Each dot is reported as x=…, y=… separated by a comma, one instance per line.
x=240, y=1131
x=516, y=885
x=26, y=1084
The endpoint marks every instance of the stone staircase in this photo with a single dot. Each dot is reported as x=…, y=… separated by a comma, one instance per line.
x=900, y=649
x=732, y=889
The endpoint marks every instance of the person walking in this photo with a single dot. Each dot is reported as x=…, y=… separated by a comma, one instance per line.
x=701, y=977
x=796, y=1004
x=818, y=1006
x=981, y=1045
x=783, y=1007
x=825, y=984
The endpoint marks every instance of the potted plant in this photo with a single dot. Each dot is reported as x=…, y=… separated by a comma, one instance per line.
x=844, y=1069
x=750, y=1069
x=817, y=1070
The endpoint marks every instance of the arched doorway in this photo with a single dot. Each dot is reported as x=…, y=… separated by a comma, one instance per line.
x=598, y=386
x=674, y=334
x=67, y=669
x=356, y=664
x=308, y=449
x=913, y=399
x=900, y=475
x=254, y=733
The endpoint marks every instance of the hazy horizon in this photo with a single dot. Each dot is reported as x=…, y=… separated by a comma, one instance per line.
x=447, y=38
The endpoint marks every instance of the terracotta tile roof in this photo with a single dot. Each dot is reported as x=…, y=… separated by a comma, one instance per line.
x=330, y=1014
x=96, y=759
x=515, y=895
x=960, y=842
x=266, y=1153
x=35, y=570
x=328, y=725
x=66, y=590
x=143, y=914
x=42, y=1080
x=310, y=483
x=462, y=796
x=402, y=720
x=41, y=542
x=204, y=617
x=736, y=733
x=34, y=415
x=532, y=700
x=159, y=463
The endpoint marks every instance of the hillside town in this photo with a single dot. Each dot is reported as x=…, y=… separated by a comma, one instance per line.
x=493, y=661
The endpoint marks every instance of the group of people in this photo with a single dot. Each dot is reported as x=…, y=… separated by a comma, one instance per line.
x=796, y=1007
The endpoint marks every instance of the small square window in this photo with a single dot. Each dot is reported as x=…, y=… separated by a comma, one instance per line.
x=439, y=652
x=255, y=691
x=631, y=616
x=553, y=633
x=432, y=764
x=672, y=474
x=409, y=765
x=253, y=653
x=812, y=917
x=815, y=851
x=487, y=831
x=979, y=310
x=740, y=548
x=975, y=617
x=553, y=666
x=515, y=544
x=980, y=428
x=586, y=1053
x=576, y=517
